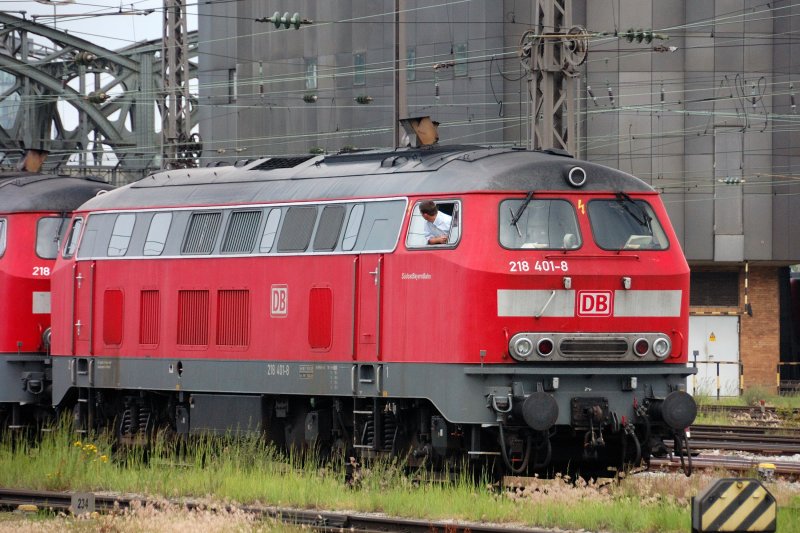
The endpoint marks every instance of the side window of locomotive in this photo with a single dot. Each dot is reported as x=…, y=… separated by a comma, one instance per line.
x=202, y=233
x=121, y=235
x=72, y=240
x=240, y=237
x=270, y=230
x=626, y=224
x=329, y=228
x=420, y=230
x=538, y=224
x=49, y=232
x=2, y=236
x=353, y=225
x=296, y=231
x=157, y=234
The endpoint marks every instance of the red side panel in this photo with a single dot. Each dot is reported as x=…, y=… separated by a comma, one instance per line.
x=320, y=318
x=113, y=317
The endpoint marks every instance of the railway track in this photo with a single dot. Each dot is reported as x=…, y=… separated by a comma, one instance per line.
x=323, y=521
x=727, y=462
x=755, y=412
x=757, y=439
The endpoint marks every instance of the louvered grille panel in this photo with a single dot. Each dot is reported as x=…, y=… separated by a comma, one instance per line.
x=193, y=318
x=281, y=162
x=242, y=230
x=202, y=233
x=233, y=318
x=149, y=318
x=330, y=224
x=584, y=347
x=297, y=228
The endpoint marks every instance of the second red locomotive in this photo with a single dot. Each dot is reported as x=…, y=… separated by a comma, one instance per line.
x=35, y=211
x=300, y=297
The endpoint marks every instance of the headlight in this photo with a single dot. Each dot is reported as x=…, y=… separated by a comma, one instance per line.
x=661, y=347
x=641, y=347
x=544, y=347
x=523, y=347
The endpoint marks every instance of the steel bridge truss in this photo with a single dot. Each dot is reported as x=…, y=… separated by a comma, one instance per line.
x=51, y=81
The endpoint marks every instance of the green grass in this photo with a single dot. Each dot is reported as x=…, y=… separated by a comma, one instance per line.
x=247, y=471
x=752, y=396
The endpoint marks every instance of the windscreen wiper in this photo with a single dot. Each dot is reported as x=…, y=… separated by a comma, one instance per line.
x=625, y=200
x=516, y=216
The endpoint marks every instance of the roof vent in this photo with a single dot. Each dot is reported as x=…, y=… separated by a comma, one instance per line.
x=282, y=162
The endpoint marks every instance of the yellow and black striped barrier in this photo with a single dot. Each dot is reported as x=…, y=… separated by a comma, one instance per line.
x=734, y=505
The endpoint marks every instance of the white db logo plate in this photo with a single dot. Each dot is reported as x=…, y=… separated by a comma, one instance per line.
x=595, y=303
x=279, y=301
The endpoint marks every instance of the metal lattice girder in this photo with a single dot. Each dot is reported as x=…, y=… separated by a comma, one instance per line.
x=552, y=88
x=115, y=95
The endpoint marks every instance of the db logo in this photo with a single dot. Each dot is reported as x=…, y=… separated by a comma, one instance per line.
x=279, y=306
x=594, y=303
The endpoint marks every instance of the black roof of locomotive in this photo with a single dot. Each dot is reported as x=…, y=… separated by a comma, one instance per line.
x=22, y=192
x=439, y=170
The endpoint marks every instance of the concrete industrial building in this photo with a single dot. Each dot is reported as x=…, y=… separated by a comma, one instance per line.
x=706, y=117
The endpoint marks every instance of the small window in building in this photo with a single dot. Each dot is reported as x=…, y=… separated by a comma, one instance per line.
x=311, y=73
x=297, y=228
x=270, y=229
x=353, y=225
x=434, y=224
x=157, y=234
x=121, y=235
x=2, y=236
x=360, y=68
x=460, y=68
x=202, y=234
x=714, y=289
x=49, y=232
x=72, y=240
x=233, y=85
x=242, y=232
x=411, y=63
x=330, y=225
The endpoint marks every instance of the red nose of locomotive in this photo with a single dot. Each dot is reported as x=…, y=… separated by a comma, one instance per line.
x=595, y=278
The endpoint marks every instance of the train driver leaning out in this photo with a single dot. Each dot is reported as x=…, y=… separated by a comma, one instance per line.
x=437, y=224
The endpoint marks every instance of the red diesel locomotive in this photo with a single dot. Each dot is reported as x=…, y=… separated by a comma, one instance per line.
x=34, y=214
x=299, y=298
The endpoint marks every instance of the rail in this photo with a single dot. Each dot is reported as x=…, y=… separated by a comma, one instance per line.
x=325, y=521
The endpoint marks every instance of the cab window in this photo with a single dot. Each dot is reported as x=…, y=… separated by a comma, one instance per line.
x=434, y=224
x=49, y=232
x=626, y=224
x=538, y=224
x=72, y=240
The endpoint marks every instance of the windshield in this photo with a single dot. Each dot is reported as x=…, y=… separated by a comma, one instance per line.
x=549, y=224
x=49, y=232
x=626, y=224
